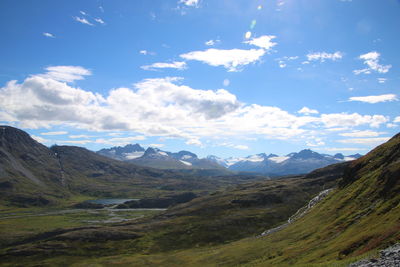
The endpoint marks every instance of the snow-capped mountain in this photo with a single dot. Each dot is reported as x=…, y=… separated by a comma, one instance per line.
x=156, y=158
x=123, y=153
x=274, y=165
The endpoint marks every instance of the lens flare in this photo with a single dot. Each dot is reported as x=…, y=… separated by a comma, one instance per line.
x=253, y=24
x=247, y=35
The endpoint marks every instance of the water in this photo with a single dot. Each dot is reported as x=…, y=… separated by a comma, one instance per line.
x=111, y=201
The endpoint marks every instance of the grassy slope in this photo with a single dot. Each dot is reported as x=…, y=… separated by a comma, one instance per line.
x=363, y=215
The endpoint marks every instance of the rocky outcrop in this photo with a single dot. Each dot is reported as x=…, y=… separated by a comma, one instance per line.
x=389, y=257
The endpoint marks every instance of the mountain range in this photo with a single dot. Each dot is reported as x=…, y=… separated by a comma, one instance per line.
x=271, y=165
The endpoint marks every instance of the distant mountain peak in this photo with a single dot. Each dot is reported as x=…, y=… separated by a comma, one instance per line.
x=307, y=154
x=338, y=156
x=127, y=152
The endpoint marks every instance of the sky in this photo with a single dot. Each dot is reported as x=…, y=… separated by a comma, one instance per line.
x=215, y=77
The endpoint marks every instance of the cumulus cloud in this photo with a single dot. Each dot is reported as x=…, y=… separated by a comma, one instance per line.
x=179, y=65
x=397, y=119
x=232, y=59
x=366, y=133
x=47, y=34
x=83, y=21
x=264, y=42
x=371, y=59
x=352, y=120
x=322, y=56
x=66, y=73
x=365, y=141
x=307, y=111
x=373, y=99
x=162, y=107
x=55, y=133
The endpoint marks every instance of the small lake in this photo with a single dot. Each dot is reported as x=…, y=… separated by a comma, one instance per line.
x=110, y=201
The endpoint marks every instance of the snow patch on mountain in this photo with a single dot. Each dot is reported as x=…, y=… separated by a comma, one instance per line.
x=278, y=159
x=186, y=163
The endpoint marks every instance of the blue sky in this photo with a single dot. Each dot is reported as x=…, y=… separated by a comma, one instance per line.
x=222, y=77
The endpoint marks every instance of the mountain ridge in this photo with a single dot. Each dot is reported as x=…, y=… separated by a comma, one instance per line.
x=293, y=163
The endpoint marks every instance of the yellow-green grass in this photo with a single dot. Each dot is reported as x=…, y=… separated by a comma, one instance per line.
x=20, y=225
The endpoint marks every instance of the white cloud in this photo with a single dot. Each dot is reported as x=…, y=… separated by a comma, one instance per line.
x=366, y=133
x=282, y=61
x=365, y=141
x=241, y=147
x=352, y=120
x=282, y=64
x=192, y=3
x=146, y=52
x=66, y=73
x=371, y=59
x=80, y=136
x=73, y=142
x=322, y=56
x=160, y=107
x=226, y=82
x=118, y=141
x=231, y=59
x=373, y=99
x=230, y=145
x=391, y=125
x=54, y=133
x=40, y=139
x=194, y=141
x=156, y=145
x=307, y=111
x=397, y=119
x=212, y=42
x=83, y=21
x=382, y=80
x=341, y=149
x=99, y=20
x=83, y=13
x=264, y=42
x=47, y=34
x=315, y=142
x=179, y=65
